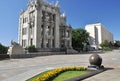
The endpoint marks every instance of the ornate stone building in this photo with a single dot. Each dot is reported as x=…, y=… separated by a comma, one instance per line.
x=44, y=26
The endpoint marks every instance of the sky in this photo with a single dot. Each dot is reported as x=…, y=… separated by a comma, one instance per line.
x=79, y=13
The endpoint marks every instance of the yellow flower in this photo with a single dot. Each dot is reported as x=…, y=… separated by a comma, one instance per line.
x=57, y=71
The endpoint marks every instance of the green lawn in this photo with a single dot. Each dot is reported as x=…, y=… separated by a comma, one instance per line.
x=69, y=74
x=63, y=76
x=107, y=51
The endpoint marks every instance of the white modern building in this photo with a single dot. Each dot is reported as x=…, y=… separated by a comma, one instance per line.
x=98, y=33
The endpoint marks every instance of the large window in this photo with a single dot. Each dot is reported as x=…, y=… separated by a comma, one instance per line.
x=24, y=43
x=32, y=19
x=67, y=34
x=25, y=19
x=24, y=31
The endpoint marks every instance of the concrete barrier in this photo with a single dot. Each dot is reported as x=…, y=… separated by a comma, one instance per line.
x=31, y=55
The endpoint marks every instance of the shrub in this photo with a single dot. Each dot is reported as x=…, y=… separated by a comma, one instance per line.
x=32, y=49
x=3, y=49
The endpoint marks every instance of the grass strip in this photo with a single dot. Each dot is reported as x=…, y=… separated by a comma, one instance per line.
x=69, y=74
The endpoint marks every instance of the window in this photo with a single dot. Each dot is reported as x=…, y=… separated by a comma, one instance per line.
x=62, y=33
x=42, y=43
x=24, y=43
x=43, y=15
x=24, y=31
x=47, y=43
x=53, y=31
x=25, y=19
x=53, y=43
x=32, y=16
x=31, y=31
x=48, y=30
x=68, y=43
x=32, y=24
x=42, y=30
x=54, y=16
x=67, y=34
x=62, y=44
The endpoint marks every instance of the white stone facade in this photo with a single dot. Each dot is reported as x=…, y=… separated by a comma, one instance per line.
x=44, y=26
x=98, y=33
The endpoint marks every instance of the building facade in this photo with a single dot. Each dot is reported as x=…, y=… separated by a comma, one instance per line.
x=98, y=33
x=44, y=26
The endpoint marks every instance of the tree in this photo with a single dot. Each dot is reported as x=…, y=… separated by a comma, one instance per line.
x=3, y=49
x=105, y=44
x=79, y=37
x=117, y=43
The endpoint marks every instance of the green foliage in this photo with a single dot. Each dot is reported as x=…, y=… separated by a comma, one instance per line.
x=105, y=44
x=3, y=49
x=107, y=49
x=32, y=49
x=79, y=36
x=117, y=43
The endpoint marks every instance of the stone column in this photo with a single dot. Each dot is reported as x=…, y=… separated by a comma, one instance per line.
x=50, y=43
x=70, y=40
x=50, y=40
x=44, y=35
x=51, y=34
x=65, y=44
x=56, y=35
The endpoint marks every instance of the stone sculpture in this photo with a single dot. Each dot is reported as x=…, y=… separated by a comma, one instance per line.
x=95, y=62
x=15, y=48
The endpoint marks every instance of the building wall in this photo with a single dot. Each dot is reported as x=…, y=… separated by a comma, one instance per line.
x=98, y=34
x=91, y=30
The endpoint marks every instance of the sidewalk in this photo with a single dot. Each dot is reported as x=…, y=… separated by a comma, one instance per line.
x=109, y=75
x=25, y=76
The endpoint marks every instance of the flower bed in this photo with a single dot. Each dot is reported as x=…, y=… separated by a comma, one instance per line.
x=55, y=72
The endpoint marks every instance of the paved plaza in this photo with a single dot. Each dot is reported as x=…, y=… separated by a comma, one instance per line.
x=22, y=69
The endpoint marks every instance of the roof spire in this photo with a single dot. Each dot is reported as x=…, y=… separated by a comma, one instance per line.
x=57, y=3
